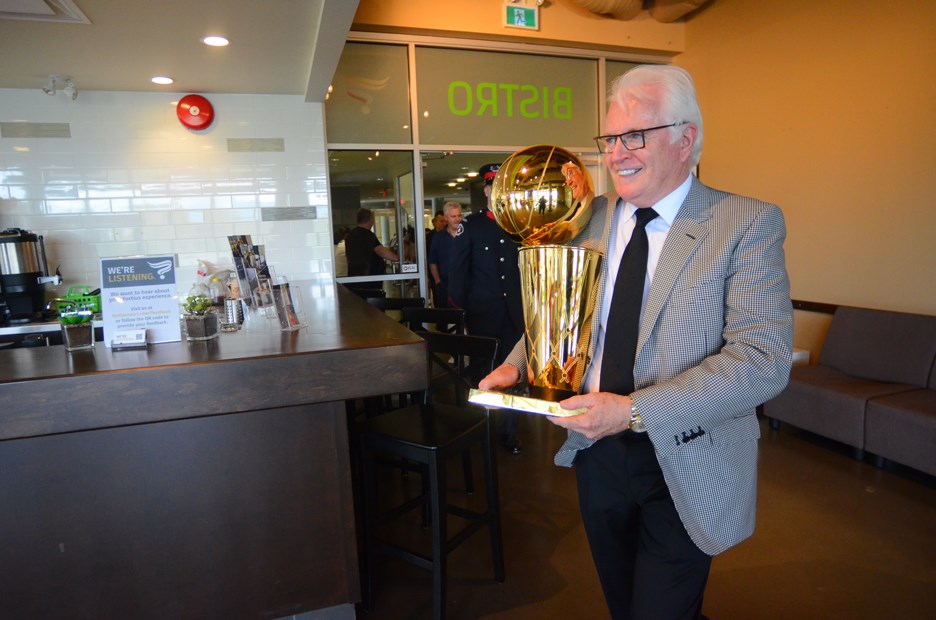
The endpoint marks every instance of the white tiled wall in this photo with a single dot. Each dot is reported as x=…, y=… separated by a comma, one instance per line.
x=133, y=180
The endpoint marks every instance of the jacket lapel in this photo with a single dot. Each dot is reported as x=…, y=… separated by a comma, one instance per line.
x=685, y=235
x=603, y=244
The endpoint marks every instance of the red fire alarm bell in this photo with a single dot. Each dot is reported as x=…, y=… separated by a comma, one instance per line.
x=195, y=112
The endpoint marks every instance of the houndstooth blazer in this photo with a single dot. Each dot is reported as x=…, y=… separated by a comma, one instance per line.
x=716, y=340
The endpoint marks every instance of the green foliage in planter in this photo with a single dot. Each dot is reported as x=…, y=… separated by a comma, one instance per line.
x=196, y=304
x=74, y=318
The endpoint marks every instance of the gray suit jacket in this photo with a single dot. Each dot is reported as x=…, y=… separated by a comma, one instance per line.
x=716, y=340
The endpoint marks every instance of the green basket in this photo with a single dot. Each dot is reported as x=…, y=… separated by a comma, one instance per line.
x=78, y=298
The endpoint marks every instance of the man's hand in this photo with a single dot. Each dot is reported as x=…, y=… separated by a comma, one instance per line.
x=504, y=376
x=608, y=414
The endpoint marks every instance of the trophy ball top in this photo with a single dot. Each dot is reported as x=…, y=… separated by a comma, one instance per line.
x=541, y=195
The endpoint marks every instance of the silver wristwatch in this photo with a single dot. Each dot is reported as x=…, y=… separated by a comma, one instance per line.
x=635, y=425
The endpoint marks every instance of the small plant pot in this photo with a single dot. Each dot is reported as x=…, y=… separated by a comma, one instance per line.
x=77, y=336
x=201, y=326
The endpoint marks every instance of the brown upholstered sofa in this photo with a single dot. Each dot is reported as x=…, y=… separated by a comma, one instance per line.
x=873, y=389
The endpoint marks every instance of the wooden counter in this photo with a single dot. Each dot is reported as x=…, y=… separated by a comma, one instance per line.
x=193, y=479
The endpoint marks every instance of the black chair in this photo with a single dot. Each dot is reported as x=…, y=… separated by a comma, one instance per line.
x=365, y=293
x=452, y=320
x=448, y=320
x=396, y=303
x=453, y=381
x=431, y=433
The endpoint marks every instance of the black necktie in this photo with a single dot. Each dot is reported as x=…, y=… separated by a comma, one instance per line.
x=620, y=343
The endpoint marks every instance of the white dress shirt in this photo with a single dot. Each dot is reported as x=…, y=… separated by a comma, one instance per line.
x=622, y=223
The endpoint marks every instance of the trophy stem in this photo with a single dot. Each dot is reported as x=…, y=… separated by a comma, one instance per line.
x=559, y=284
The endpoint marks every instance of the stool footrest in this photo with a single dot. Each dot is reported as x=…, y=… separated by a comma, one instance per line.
x=402, y=509
x=410, y=557
x=465, y=533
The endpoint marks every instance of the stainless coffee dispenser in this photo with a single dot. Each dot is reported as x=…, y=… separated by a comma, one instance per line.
x=23, y=275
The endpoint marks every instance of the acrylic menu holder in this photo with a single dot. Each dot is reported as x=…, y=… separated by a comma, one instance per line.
x=263, y=295
x=288, y=305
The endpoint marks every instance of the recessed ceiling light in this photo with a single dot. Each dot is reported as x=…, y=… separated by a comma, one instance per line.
x=215, y=41
x=162, y=79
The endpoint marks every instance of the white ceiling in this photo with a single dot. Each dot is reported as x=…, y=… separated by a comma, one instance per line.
x=277, y=46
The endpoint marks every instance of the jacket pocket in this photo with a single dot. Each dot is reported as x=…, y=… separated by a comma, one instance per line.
x=735, y=430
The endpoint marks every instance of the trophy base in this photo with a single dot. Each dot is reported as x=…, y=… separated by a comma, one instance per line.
x=535, y=402
x=550, y=394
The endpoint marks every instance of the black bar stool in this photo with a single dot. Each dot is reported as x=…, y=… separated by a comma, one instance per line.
x=431, y=433
x=396, y=303
x=449, y=320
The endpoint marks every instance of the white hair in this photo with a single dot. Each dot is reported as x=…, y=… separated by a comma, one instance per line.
x=677, y=104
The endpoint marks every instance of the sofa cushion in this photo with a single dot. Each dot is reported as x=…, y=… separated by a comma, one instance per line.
x=902, y=427
x=893, y=347
x=828, y=402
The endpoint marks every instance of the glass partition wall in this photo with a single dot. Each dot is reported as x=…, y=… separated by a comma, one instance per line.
x=409, y=125
x=382, y=181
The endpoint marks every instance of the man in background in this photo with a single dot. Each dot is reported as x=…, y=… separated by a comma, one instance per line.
x=438, y=225
x=440, y=252
x=365, y=253
x=484, y=279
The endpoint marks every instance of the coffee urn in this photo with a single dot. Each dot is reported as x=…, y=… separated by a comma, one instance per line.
x=23, y=276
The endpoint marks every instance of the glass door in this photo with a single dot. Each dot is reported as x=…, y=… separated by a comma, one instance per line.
x=383, y=183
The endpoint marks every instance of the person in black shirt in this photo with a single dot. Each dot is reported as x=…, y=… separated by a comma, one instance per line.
x=365, y=253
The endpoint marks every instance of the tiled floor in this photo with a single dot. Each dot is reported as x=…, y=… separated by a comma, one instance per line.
x=836, y=538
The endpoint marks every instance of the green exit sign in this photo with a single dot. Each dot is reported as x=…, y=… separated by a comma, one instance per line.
x=518, y=16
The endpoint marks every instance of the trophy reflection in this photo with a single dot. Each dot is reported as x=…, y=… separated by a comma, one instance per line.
x=542, y=197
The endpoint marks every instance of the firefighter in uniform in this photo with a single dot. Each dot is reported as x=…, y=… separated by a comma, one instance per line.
x=484, y=279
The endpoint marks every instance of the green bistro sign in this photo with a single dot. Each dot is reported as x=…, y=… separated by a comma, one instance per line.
x=510, y=100
x=471, y=97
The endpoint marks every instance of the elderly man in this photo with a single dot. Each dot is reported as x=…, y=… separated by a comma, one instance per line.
x=440, y=252
x=693, y=330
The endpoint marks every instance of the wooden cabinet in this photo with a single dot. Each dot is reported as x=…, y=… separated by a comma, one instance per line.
x=191, y=480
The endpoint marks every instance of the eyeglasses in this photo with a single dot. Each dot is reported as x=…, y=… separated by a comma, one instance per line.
x=632, y=140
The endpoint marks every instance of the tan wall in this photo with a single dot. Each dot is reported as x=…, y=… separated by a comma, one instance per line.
x=561, y=21
x=826, y=108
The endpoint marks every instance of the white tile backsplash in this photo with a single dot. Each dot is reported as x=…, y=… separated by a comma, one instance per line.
x=133, y=180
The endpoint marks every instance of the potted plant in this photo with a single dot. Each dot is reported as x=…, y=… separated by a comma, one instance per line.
x=199, y=322
x=77, y=329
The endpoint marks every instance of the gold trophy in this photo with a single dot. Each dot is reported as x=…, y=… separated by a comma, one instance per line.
x=542, y=197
